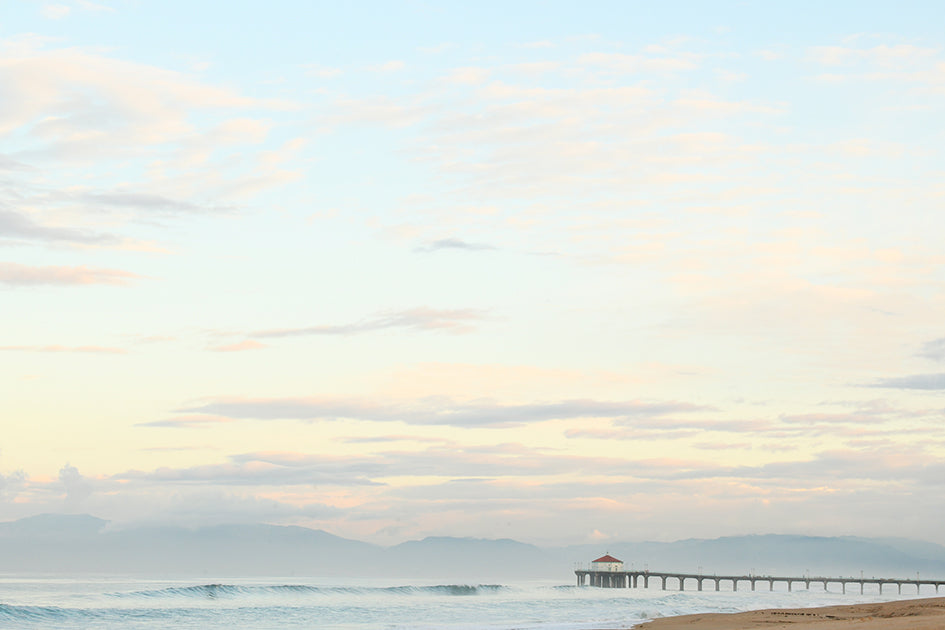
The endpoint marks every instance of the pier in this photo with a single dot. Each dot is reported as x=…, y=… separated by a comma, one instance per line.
x=636, y=579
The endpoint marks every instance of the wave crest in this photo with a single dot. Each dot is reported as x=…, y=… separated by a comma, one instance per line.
x=214, y=591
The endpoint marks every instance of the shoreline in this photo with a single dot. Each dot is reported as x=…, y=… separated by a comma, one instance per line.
x=905, y=614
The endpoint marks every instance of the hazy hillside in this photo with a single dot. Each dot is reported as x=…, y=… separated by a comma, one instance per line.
x=71, y=544
x=773, y=554
x=84, y=544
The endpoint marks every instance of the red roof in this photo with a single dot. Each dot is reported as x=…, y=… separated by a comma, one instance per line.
x=607, y=559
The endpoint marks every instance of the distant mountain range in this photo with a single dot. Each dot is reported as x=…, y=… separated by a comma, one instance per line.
x=82, y=544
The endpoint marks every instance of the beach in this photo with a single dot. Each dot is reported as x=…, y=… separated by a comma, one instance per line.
x=914, y=614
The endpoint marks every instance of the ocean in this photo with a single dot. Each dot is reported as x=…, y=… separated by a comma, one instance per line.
x=113, y=602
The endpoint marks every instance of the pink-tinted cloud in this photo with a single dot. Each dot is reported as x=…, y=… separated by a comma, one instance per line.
x=17, y=275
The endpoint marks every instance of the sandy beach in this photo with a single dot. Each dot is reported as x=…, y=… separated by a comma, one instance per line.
x=915, y=614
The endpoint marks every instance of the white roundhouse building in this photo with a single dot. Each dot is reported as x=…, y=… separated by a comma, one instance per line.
x=607, y=563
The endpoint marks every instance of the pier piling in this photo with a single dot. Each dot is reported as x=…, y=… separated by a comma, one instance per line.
x=631, y=579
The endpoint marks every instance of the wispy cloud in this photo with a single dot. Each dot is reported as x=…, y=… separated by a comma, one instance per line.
x=452, y=243
x=187, y=421
x=934, y=350
x=11, y=484
x=470, y=75
x=199, y=495
x=9, y=164
x=257, y=469
x=322, y=72
x=883, y=55
x=912, y=381
x=56, y=11
x=513, y=460
x=435, y=411
x=455, y=321
x=103, y=106
x=17, y=275
x=145, y=202
x=887, y=62
x=20, y=226
x=146, y=142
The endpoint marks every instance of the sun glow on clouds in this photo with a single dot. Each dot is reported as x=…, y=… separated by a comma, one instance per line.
x=396, y=287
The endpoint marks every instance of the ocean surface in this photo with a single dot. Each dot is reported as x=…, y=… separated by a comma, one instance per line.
x=291, y=603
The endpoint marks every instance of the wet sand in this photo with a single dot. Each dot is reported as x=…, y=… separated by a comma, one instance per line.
x=910, y=614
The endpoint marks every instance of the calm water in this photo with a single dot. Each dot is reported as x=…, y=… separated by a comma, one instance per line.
x=236, y=604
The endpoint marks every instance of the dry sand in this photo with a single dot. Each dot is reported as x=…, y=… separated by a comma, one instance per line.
x=910, y=614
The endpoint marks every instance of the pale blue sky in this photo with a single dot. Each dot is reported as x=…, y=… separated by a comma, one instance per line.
x=552, y=271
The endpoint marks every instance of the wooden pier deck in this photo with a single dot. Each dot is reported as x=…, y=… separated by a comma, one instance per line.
x=633, y=579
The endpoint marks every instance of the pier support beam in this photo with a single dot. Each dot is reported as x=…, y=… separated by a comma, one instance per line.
x=631, y=579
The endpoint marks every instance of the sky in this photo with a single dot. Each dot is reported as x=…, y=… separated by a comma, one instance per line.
x=554, y=271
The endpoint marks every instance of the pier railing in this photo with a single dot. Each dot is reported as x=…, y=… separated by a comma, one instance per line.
x=636, y=579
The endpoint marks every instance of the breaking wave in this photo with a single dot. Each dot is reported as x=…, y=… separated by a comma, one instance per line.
x=214, y=591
